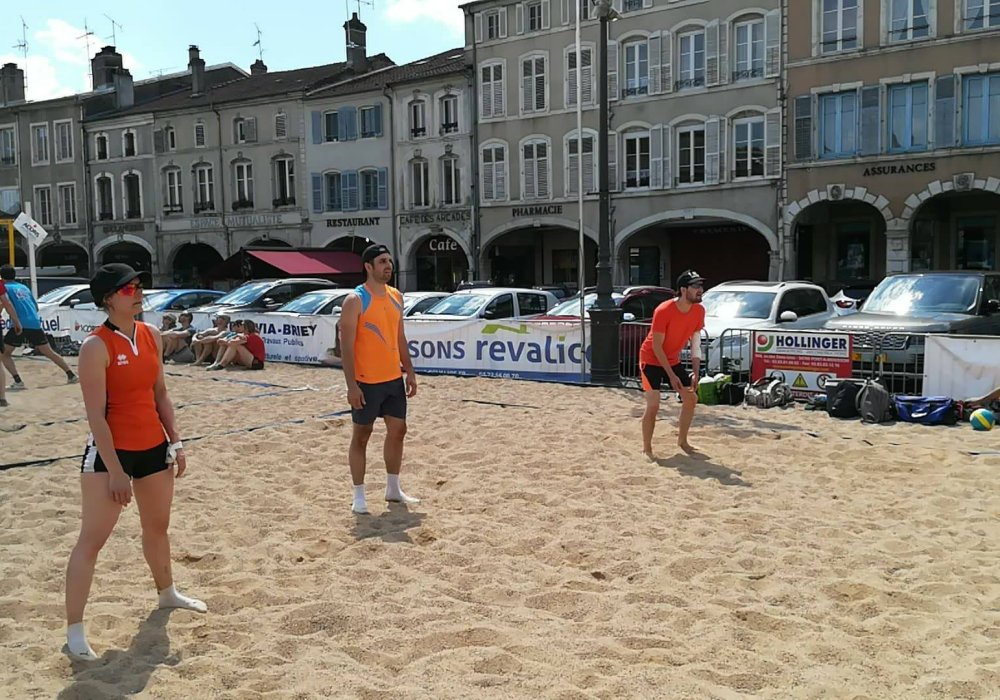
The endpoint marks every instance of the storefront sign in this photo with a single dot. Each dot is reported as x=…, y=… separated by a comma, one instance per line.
x=435, y=217
x=442, y=244
x=926, y=167
x=215, y=221
x=123, y=228
x=354, y=222
x=804, y=361
x=540, y=210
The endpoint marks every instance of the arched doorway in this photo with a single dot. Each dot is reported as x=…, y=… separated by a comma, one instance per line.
x=192, y=263
x=63, y=253
x=956, y=231
x=441, y=263
x=539, y=255
x=349, y=244
x=268, y=243
x=129, y=253
x=839, y=241
x=20, y=256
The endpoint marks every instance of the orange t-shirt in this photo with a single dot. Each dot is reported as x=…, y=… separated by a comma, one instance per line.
x=677, y=328
x=133, y=368
x=376, y=344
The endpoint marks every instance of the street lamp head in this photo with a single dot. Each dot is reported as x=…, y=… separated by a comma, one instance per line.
x=605, y=10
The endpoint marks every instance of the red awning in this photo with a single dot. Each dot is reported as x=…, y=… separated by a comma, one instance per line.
x=326, y=262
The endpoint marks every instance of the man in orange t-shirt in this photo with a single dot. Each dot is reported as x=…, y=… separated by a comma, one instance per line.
x=676, y=323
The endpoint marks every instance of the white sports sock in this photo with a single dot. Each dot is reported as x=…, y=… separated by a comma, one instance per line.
x=170, y=598
x=76, y=642
x=358, y=504
x=393, y=492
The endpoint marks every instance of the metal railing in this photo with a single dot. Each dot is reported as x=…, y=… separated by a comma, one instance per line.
x=631, y=337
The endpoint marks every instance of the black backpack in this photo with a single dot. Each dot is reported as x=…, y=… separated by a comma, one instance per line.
x=732, y=394
x=842, y=397
x=875, y=403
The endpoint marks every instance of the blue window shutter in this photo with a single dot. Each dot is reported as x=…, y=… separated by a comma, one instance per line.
x=803, y=127
x=349, y=188
x=317, y=183
x=342, y=124
x=317, y=127
x=348, y=118
x=378, y=119
x=944, y=112
x=871, y=119
x=383, y=188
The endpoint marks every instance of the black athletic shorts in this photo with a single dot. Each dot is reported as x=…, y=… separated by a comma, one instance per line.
x=382, y=399
x=655, y=377
x=32, y=336
x=137, y=464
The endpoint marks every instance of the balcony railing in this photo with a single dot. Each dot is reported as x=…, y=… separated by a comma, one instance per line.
x=449, y=128
x=283, y=202
x=635, y=90
x=242, y=204
x=105, y=216
x=203, y=206
x=173, y=208
x=418, y=131
x=748, y=74
x=688, y=83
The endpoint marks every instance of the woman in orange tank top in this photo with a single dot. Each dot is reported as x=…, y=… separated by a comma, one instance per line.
x=132, y=449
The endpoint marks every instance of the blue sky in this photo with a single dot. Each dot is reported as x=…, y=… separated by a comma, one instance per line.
x=154, y=36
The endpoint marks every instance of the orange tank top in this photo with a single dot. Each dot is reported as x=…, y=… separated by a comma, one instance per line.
x=133, y=368
x=376, y=344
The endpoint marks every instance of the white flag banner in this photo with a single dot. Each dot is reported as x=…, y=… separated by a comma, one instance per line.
x=30, y=229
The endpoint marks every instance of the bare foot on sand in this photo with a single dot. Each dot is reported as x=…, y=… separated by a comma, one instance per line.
x=693, y=451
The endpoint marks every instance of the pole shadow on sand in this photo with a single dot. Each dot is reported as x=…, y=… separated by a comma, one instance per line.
x=122, y=673
x=390, y=526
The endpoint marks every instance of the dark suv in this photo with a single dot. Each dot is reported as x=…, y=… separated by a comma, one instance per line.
x=264, y=295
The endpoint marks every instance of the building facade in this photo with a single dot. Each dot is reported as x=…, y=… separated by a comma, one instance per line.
x=694, y=150
x=894, y=137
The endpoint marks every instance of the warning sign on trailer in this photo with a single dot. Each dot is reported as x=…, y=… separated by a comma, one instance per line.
x=804, y=361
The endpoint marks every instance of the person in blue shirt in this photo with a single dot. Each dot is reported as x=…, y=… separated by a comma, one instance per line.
x=31, y=332
x=15, y=323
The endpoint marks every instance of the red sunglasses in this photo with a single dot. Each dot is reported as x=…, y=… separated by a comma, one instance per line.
x=131, y=288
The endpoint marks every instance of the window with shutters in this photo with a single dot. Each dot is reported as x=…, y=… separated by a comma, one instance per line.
x=39, y=144
x=132, y=189
x=128, y=144
x=748, y=147
x=280, y=126
x=43, y=205
x=243, y=176
x=493, y=97
x=67, y=203
x=631, y=5
x=204, y=190
x=580, y=154
x=586, y=74
x=64, y=140
x=451, y=181
x=981, y=14
x=419, y=183
x=449, y=114
x=587, y=10
x=239, y=130
x=494, y=173
x=491, y=24
x=170, y=138
x=371, y=121
x=8, y=146
x=691, y=60
x=981, y=109
x=332, y=190
x=535, y=168
x=636, y=68
x=104, y=193
x=533, y=84
x=173, y=197
x=840, y=21
x=101, y=147
x=533, y=16
x=908, y=19
x=838, y=125
x=691, y=154
x=418, y=119
x=748, y=43
x=369, y=189
x=284, y=181
x=636, y=144
x=199, y=135
x=908, y=117
x=331, y=127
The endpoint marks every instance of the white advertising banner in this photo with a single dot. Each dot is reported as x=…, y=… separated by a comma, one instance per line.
x=961, y=367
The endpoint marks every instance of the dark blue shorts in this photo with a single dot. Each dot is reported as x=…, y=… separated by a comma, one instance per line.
x=381, y=400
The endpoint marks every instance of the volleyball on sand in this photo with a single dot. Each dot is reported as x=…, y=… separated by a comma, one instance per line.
x=982, y=419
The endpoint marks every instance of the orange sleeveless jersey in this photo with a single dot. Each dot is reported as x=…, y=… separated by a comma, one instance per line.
x=131, y=375
x=376, y=344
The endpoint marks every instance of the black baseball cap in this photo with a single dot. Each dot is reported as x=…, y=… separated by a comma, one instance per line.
x=373, y=251
x=112, y=277
x=689, y=277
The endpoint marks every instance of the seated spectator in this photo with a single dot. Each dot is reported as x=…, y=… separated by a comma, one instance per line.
x=246, y=351
x=168, y=323
x=177, y=342
x=234, y=334
x=205, y=342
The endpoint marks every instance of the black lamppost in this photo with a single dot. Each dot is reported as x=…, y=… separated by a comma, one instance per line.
x=605, y=316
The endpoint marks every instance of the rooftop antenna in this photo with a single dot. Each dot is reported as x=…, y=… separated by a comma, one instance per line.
x=22, y=45
x=114, y=24
x=347, y=8
x=86, y=37
x=260, y=47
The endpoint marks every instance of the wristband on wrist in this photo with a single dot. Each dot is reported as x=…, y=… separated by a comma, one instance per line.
x=177, y=446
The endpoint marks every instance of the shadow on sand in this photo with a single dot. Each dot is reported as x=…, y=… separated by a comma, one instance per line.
x=390, y=526
x=698, y=464
x=121, y=673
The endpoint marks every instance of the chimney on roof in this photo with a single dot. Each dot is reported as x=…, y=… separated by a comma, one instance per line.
x=197, y=67
x=356, y=33
x=124, y=89
x=258, y=68
x=103, y=67
x=11, y=84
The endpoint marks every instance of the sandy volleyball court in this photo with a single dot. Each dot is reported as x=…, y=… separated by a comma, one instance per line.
x=805, y=558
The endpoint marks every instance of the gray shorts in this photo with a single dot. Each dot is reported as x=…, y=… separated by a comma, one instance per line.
x=381, y=400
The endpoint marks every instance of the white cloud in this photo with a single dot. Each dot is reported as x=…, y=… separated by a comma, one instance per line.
x=66, y=43
x=444, y=12
x=44, y=80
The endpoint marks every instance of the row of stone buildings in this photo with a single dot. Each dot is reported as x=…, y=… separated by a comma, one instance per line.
x=821, y=139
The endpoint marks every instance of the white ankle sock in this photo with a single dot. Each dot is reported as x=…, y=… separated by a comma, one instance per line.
x=358, y=504
x=76, y=642
x=170, y=598
x=394, y=493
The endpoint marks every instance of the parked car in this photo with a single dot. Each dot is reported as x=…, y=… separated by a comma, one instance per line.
x=905, y=307
x=849, y=297
x=69, y=295
x=178, y=299
x=416, y=303
x=322, y=302
x=257, y=296
x=560, y=291
x=48, y=283
x=491, y=303
x=747, y=305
